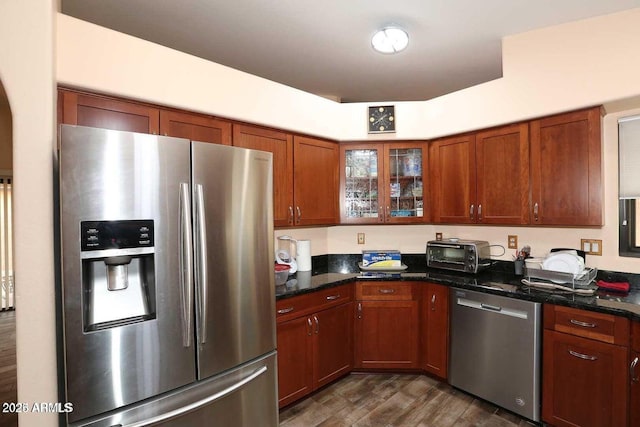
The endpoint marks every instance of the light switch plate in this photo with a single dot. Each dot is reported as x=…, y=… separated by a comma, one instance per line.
x=361, y=238
x=591, y=246
x=438, y=236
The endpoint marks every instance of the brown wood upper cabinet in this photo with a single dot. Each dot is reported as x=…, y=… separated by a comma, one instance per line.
x=482, y=177
x=196, y=127
x=305, y=177
x=566, y=169
x=315, y=181
x=76, y=108
x=281, y=145
x=383, y=183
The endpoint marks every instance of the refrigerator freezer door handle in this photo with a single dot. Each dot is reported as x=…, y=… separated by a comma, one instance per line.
x=195, y=405
x=186, y=263
x=201, y=261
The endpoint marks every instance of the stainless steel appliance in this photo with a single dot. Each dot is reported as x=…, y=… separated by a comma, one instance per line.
x=469, y=256
x=495, y=350
x=168, y=295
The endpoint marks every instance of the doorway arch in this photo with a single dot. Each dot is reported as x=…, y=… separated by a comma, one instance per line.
x=8, y=383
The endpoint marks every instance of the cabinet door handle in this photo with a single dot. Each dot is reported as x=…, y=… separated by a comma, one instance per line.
x=632, y=370
x=583, y=324
x=480, y=212
x=333, y=297
x=317, y=324
x=535, y=211
x=359, y=310
x=381, y=214
x=285, y=310
x=299, y=213
x=433, y=302
x=582, y=356
x=388, y=214
x=310, y=326
x=387, y=291
x=290, y=215
x=471, y=211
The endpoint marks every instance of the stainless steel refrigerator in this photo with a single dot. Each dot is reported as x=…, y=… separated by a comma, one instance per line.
x=167, y=281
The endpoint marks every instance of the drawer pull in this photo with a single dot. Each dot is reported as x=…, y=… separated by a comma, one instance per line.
x=433, y=302
x=582, y=356
x=387, y=291
x=632, y=370
x=583, y=324
x=285, y=310
x=333, y=297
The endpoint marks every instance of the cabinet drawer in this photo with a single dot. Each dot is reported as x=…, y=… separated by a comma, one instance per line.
x=597, y=326
x=387, y=291
x=291, y=308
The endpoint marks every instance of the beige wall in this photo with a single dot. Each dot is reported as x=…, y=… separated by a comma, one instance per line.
x=27, y=74
x=6, y=146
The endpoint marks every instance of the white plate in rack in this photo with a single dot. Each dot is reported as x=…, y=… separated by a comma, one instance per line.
x=564, y=262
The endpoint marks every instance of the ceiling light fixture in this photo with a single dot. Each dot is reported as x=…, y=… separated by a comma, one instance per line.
x=390, y=40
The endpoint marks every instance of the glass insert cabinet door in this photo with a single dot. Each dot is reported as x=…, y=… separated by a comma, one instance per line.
x=361, y=185
x=405, y=183
x=383, y=183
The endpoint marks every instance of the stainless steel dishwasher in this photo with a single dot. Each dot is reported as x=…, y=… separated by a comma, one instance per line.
x=495, y=350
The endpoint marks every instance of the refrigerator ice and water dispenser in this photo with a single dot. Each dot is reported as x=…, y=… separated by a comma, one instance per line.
x=117, y=272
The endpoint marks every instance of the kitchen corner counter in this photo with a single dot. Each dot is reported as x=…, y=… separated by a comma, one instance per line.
x=494, y=281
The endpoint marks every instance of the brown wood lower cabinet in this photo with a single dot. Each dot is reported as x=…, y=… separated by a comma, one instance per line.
x=634, y=373
x=434, y=323
x=386, y=326
x=585, y=380
x=315, y=344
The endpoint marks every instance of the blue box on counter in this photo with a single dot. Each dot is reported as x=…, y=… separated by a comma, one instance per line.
x=381, y=259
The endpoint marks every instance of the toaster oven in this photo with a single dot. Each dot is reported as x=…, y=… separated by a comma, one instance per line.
x=468, y=256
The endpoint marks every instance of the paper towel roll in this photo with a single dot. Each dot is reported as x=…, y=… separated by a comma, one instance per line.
x=303, y=257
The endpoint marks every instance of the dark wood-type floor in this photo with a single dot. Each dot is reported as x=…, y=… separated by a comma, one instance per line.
x=8, y=388
x=377, y=400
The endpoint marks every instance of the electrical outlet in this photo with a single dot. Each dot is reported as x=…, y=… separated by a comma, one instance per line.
x=438, y=236
x=512, y=241
x=361, y=238
x=591, y=246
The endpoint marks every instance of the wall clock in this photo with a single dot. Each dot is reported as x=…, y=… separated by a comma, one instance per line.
x=381, y=119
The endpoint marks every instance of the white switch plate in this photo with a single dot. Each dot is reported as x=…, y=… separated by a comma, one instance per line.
x=591, y=246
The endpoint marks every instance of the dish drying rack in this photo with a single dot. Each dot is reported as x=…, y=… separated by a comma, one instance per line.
x=581, y=283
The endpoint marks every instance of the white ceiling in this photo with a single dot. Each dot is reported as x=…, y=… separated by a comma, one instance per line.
x=323, y=47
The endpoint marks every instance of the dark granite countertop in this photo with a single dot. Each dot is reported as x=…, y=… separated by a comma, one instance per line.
x=498, y=280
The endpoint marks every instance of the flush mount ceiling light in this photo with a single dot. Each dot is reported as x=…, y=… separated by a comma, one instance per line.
x=390, y=40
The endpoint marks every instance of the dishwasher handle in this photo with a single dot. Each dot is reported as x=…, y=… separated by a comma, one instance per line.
x=490, y=307
x=501, y=310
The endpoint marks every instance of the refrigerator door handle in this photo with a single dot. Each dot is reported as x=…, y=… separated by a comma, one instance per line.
x=195, y=405
x=186, y=263
x=201, y=261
